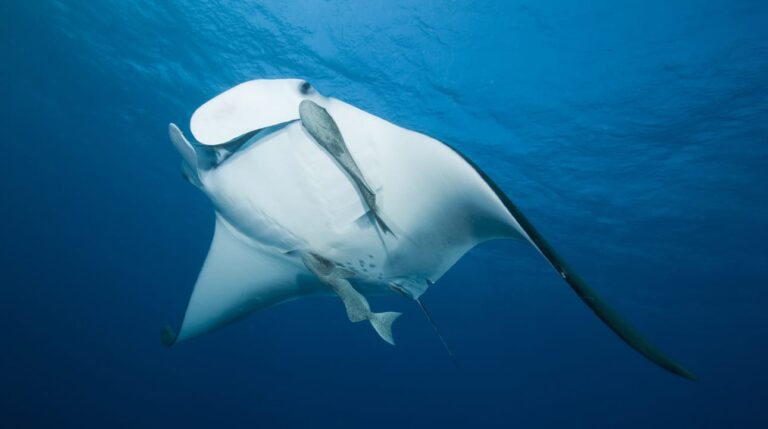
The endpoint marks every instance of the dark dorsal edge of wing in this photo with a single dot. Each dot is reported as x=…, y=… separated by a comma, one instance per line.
x=607, y=314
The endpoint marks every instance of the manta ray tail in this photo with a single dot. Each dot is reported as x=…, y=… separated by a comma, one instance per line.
x=382, y=323
x=437, y=331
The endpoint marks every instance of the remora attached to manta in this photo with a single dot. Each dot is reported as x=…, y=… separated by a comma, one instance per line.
x=301, y=184
x=321, y=126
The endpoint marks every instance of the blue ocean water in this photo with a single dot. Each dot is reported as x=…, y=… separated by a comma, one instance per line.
x=634, y=135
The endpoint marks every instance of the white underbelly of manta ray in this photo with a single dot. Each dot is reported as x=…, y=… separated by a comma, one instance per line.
x=314, y=196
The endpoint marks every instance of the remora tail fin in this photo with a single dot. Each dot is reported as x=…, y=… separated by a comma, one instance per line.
x=383, y=225
x=382, y=323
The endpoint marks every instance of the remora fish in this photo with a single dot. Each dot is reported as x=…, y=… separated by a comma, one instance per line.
x=355, y=303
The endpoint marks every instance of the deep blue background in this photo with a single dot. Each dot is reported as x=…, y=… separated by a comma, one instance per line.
x=633, y=134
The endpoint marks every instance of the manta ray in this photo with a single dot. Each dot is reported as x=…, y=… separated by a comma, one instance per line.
x=315, y=196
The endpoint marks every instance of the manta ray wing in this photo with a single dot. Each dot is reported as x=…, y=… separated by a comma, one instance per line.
x=435, y=200
x=237, y=279
x=583, y=290
x=436, y=184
